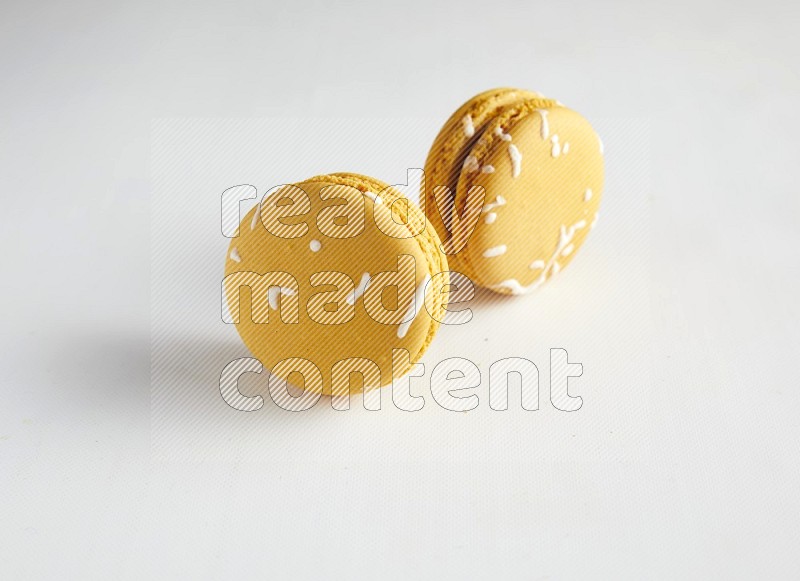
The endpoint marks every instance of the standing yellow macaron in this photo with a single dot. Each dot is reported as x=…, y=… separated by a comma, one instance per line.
x=540, y=167
x=337, y=278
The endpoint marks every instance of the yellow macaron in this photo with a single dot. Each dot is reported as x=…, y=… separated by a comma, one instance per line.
x=338, y=280
x=517, y=178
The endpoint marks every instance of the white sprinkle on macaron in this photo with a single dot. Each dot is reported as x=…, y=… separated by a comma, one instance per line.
x=471, y=164
x=545, y=131
x=469, y=127
x=374, y=197
x=555, y=151
x=499, y=201
x=536, y=265
x=495, y=251
x=516, y=159
x=502, y=134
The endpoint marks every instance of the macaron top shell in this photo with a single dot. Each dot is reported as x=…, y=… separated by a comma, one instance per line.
x=324, y=318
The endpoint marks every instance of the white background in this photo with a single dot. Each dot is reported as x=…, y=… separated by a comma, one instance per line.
x=683, y=462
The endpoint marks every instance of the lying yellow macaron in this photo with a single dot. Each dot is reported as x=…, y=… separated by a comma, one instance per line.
x=337, y=279
x=513, y=183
